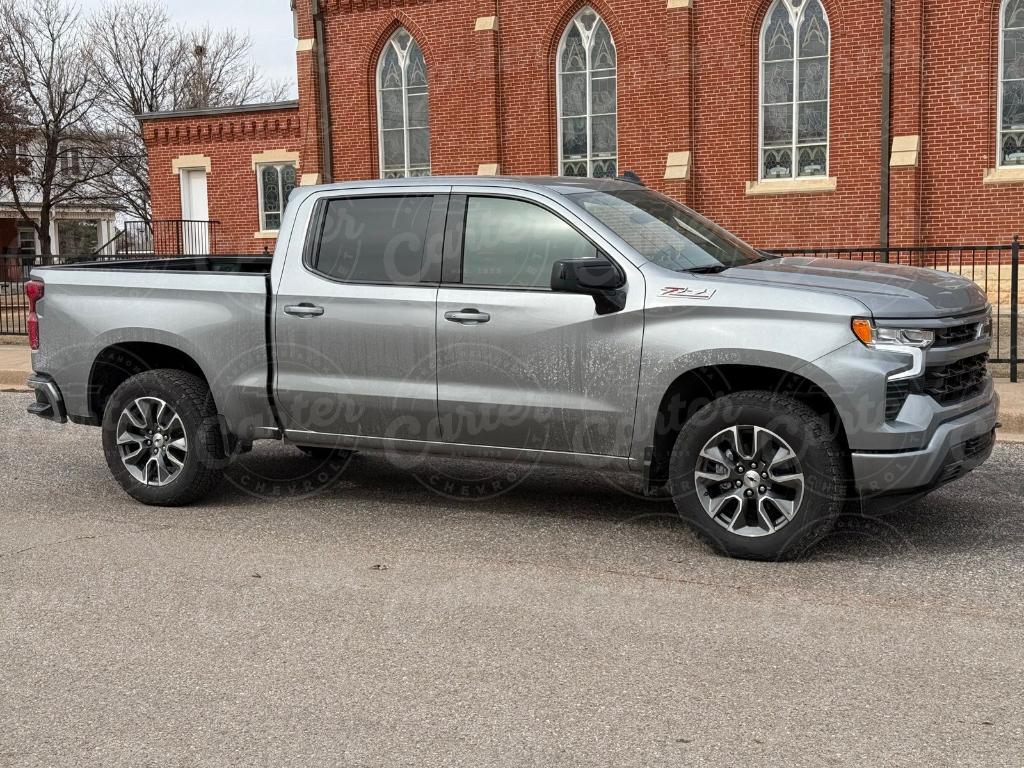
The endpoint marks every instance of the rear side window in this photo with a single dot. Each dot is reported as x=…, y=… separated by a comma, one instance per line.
x=515, y=244
x=374, y=239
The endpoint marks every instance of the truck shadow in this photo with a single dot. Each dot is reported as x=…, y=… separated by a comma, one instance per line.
x=972, y=515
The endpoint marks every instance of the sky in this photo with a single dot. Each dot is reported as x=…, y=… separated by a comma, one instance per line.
x=268, y=22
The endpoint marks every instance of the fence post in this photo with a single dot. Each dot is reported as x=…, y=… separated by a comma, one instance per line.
x=1014, y=304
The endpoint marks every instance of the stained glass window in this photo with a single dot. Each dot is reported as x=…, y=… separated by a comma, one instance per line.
x=276, y=183
x=795, y=90
x=1011, y=84
x=587, y=98
x=402, y=105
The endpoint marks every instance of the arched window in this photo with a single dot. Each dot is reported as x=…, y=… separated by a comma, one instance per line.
x=402, y=111
x=1011, y=83
x=794, y=90
x=587, y=101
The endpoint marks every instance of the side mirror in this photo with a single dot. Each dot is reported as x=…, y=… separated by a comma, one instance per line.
x=599, y=278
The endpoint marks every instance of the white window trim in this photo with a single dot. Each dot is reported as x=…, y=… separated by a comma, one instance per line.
x=1001, y=90
x=265, y=231
x=587, y=40
x=35, y=238
x=403, y=62
x=794, y=144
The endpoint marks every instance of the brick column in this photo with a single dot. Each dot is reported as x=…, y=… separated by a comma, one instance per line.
x=309, y=94
x=907, y=128
x=484, y=144
x=679, y=159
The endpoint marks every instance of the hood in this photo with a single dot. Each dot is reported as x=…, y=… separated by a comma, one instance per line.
x=888, y=290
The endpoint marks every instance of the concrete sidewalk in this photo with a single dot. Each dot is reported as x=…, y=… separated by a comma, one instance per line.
x=16, y=366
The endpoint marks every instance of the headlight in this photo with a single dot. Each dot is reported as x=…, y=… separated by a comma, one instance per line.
x=872, y=336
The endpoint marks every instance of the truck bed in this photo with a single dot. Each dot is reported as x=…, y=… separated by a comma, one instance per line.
x=213, y=309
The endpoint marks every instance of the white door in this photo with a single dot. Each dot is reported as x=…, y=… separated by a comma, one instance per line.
x=194, y=234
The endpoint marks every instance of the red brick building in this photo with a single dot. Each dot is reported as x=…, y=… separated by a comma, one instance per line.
x=777, y=118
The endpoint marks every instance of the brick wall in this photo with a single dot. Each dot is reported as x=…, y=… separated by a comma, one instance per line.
x=959, y=127
x=687, y=83
x=229, y=141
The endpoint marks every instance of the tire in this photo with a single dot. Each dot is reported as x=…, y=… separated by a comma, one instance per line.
x=325, y=454
x=182, y=475
x=763, y=530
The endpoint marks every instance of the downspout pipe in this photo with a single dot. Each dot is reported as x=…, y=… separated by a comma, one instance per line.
x=884, y=190
x=326, y=152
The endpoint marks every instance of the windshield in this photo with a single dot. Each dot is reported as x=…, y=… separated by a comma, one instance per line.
x=665, y=232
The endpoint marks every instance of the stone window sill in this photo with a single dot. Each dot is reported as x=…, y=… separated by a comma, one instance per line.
x=268, y=234
x=807, y=186
x=1005, y=175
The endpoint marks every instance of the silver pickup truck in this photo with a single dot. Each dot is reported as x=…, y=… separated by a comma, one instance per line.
x=530, y=319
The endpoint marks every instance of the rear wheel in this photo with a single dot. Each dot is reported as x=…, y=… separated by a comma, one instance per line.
x=162, y=439
x=759, y=475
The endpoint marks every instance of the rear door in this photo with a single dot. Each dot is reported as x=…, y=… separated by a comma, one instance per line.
x=195, y=210
x=520, y=366
x=355, y=335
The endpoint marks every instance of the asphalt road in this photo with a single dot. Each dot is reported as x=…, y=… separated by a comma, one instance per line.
x=370, y=615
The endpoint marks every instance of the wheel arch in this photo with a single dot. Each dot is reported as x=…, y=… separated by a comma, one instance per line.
x=697, y=387
x=118, y=362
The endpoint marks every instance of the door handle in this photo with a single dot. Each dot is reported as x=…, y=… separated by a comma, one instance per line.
x=468, y=317
x=304, y=310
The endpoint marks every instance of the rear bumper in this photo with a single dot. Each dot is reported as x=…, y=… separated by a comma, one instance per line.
x=49, y=402
x=956, y=448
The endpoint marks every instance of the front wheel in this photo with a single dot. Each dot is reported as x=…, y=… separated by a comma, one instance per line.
x=759, y=475
x=162, y=439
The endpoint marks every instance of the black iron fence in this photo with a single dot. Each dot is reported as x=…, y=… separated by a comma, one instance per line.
x=993, y=267
x=170, y=237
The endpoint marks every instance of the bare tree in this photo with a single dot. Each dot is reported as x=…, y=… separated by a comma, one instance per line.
x=44, y=50
x=137, y=56
x=144, y=63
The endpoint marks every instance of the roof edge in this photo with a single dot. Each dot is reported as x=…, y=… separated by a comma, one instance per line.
x=213, y=111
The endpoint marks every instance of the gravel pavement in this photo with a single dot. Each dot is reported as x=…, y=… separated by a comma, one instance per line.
x=469, y=615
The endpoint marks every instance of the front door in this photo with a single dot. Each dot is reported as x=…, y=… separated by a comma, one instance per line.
x=194, y=234
x=355, y=340
x=520, y=366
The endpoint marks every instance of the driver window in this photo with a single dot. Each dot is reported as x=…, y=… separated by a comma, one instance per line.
x=515, y=244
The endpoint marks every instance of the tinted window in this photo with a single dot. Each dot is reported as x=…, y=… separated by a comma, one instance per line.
x=515, y=244
x=374, y=239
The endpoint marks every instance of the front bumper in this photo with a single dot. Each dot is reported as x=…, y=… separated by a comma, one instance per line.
x=956, y=447
x=49, y=402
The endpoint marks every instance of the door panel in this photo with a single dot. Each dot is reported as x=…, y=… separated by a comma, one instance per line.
x=355, y=337
x=366, y=366
x=544, y=373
